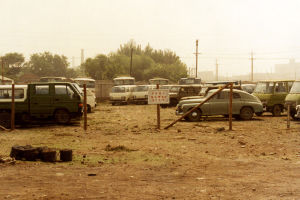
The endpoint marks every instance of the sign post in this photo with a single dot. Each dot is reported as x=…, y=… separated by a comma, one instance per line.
x=158, y=96
x=84, y=107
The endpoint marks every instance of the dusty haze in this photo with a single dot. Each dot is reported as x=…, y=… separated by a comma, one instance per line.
x=227, y=30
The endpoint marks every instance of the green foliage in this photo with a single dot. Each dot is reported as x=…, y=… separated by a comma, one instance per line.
x=13, y=63
x=146, y=64
x=46, y=64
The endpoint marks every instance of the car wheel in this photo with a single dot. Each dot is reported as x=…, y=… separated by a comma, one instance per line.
x=62, y=116
x=246, y=113
x=276, y=111
x=194, y=116
x=5, y=119
x=292, y=114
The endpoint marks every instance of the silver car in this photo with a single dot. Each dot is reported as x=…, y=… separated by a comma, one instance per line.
x=244, y=105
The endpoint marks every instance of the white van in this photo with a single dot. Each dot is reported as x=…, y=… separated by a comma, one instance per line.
x=140, y=93
x=91, y=102
x=121, y=94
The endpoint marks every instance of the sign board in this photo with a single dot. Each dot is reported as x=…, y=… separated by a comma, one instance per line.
x=158, y=96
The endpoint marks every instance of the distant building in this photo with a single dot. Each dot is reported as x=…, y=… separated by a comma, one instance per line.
x=288, y=71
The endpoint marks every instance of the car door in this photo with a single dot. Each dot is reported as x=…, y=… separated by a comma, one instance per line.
x=40, y=101
x=236, y=103
x=64, y=98
x=219, y=104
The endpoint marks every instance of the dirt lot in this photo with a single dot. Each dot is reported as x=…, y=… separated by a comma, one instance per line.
x=259, y=159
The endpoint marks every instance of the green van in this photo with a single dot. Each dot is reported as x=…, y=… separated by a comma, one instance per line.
x=293, y=98
x=272, y=94
x=59, y=101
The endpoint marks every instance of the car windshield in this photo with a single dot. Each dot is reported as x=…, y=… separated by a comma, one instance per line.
x=295, y=88
x=141, y=88
x=264, y=87
x=117, y=89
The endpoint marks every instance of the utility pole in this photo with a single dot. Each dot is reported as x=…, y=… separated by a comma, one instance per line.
x=2, y=70
x=131, y=62
x=217, y=70
x=82, y=56
x=252, y=66
x=196, y=58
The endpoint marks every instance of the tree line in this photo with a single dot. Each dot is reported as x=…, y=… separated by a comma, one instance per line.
x=146, y=63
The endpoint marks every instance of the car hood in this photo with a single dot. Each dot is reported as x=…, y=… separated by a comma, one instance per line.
x=191, y=101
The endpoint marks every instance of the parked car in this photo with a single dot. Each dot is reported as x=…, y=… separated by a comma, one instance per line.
x=272, y=94
x=57, y=100
x=293, y=99
x=244, y=105
x=121, y=94
x=140, y=93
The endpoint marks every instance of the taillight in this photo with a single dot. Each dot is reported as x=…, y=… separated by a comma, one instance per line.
x=80, y=105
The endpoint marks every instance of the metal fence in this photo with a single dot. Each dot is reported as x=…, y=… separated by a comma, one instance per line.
x=102, y=89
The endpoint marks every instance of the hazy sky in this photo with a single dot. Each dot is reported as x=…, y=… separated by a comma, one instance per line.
x=226, y=29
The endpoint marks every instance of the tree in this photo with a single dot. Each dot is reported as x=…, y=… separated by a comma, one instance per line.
x=96, y=67
x=46, y=64
x=12, y=64
x=147, y=63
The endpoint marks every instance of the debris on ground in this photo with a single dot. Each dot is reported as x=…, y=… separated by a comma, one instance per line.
x=117, y=148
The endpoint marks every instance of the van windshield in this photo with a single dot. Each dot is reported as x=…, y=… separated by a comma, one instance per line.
x=117, y=89
x=295, y=88
x=264, y=87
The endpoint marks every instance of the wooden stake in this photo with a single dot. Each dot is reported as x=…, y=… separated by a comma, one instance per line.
x=158, y=111
x=84, y=107
x=288, y=116
x=230, y=107
x=12, y=121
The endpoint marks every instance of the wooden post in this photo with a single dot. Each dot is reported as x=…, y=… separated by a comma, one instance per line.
x=288, y=116
x=2, y=70
x=12, y=121
x=230, y=107
x=84, y=108
x=158, y=111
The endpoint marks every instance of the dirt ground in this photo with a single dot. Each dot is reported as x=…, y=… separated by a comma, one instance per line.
x=258, y=159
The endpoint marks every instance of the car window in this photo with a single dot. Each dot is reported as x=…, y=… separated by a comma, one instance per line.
x=236, y=95
x=280, y=87
x=42, y=89
x=63, y=90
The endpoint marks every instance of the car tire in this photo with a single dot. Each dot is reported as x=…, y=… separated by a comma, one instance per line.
x=62, y=116
x=246, y=113
x=194, y=116
x=276, y=111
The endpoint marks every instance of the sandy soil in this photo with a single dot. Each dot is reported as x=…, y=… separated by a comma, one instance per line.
x=258, y=159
